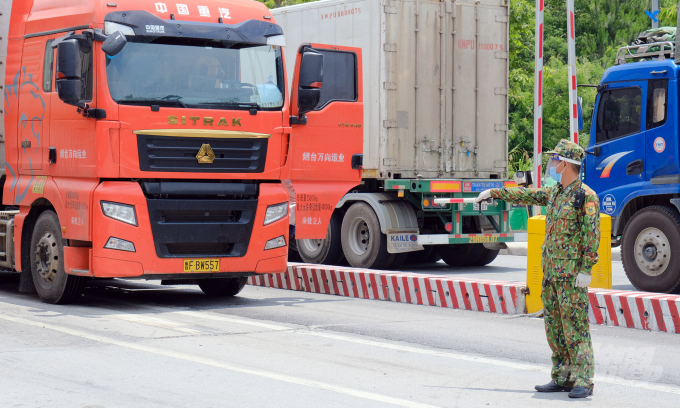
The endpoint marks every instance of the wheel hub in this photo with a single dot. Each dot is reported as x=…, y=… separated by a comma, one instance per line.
x=652, y=251
x=359, y=236
x=312, y=245
x=47, y=257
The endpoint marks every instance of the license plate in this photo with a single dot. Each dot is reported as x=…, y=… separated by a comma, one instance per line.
x=475, y=206
x=201, y=265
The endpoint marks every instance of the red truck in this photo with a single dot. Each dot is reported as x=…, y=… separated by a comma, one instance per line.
x=148, y=139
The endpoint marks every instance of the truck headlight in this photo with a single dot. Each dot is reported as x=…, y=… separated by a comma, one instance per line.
x=275, y=243
x=121, y=212
x=120, y=244
x=275, y=213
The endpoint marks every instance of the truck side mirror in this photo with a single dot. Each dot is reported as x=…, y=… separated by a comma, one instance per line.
x=579, y=101
x=114, y=44
x=70, y=83
x=310, y=81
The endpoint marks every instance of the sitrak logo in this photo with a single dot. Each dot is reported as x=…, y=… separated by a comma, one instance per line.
x=206, y=154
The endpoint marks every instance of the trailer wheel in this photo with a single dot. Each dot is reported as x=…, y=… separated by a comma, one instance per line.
x=455, y=254
x=488, y=256
x=475, y=254
x=396, y=260
x=650, y=249
x=418, y=257
x=363, y=244
x=222, y=287
x=47, y=263
x=434, y=256
x=326, y=251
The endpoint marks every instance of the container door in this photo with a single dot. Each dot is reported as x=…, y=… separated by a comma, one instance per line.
x=618, y=131
x=322, y=149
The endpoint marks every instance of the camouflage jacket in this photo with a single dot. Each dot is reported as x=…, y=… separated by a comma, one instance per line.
x=572, y=236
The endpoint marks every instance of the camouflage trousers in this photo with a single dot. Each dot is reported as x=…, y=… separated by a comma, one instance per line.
x=566, y=324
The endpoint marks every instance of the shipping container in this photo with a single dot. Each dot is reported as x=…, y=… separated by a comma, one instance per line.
x=435, y=80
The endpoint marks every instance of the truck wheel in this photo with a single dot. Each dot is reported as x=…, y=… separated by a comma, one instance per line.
x=418, y=257
x=650, y=249
x=475, y=254
x=396, y=260
x=47, y=263
x=488, y=256
x=455, y=254
x=434, y=256
x=222, y=287
x=364, y=245
x=323, y=251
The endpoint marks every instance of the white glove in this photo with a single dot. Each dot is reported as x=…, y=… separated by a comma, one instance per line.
x=484, y=195
x=582, y=280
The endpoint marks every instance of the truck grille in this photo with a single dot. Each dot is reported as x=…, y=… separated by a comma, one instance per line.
x=175, y=154
x=201, y=228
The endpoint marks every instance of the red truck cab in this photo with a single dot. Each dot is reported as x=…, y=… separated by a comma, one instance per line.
x=147, y=139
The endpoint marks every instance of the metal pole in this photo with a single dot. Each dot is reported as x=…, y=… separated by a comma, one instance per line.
x=571, y=39
x=538, y=100
x=655, y=7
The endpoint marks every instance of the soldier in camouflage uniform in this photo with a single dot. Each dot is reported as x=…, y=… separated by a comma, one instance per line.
x=572, y=238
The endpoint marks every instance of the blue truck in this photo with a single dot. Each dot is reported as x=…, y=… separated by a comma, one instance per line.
x=633, y=162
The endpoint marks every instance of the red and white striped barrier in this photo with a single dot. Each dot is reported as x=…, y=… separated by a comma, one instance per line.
x=638, y=310
x=479, y=295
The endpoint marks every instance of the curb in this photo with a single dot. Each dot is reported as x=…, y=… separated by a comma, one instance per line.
x=479, y=295
x=638, y=310
x=629, y=309
x=520, y=249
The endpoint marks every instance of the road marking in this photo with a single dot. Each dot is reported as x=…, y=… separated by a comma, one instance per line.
x=155, y=322
x=205, y=361
x=673, y=389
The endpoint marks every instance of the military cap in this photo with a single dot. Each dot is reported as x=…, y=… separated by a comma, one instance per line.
x=568, y=151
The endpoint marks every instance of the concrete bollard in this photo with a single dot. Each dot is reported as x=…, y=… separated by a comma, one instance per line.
x=602, y=271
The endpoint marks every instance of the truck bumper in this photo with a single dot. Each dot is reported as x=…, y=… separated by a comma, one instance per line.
x=170, y=232
x=443, y=239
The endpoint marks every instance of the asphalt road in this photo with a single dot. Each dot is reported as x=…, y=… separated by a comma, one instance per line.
x=138, y=344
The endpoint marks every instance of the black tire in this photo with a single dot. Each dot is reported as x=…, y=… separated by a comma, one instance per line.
x=397, y=260
x=222, y=287
x=418, y=257
x=488, y=256
x=475, y=254
x=47, y=263
x=363, y=244
x=324, y=251
x=650, y=249
x=434, y=256
x=455, y=254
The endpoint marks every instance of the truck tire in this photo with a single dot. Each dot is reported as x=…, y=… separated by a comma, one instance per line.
x=475, y=255
x=650, y=249
x=222, y=287
x=396, y=260
x=47, y=263
x=488, y=256
x=455, y=254
x=434, y=256
x=363, y=244
x=418, y=257
x=323, y=251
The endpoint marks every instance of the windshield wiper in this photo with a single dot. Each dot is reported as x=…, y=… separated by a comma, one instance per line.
x=175, y=98
x=170, y=99
x=248, y=105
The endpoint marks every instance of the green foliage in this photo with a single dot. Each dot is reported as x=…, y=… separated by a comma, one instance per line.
x=602, y=26
x=281, y=3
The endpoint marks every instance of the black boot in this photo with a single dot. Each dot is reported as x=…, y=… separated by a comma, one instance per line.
x=552, y=387
x=580, y=392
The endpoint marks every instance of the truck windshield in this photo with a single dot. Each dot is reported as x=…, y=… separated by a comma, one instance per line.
x=194, y=73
